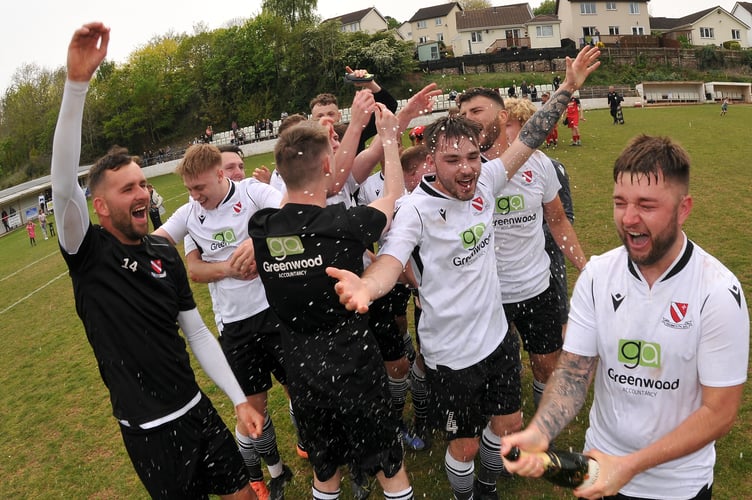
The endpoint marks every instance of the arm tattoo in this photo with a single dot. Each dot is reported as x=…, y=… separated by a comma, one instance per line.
x=568, y=389
x=536, y=129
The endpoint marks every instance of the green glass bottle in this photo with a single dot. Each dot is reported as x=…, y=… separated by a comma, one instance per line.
x=565, y=468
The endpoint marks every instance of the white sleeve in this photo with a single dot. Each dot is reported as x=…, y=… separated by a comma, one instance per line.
x=209, y=354
x=71, y=209
x=177, y=225
x=723, y=355
x=581, y=337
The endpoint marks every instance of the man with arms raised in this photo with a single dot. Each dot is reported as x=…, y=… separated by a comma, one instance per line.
x=445, y=228
x=177, y=442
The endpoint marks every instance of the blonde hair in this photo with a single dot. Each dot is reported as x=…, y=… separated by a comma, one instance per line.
x=199, y=158
x=519, y=109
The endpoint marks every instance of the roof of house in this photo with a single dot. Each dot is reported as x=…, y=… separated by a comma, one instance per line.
x=353, y=17
x=544, y=18
x=746, y=6
x=686, y=22
x=505, y=15
x=435, y=11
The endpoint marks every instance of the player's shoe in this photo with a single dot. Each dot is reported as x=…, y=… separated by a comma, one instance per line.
x=262, y=492
x=277, y=484
x=484, y=492
x=301, y=451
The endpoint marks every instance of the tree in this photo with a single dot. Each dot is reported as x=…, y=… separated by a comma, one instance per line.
x=292, y=11
x=475, y=4
x=546, y=7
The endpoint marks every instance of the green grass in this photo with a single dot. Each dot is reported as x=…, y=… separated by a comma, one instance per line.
x=59, y=439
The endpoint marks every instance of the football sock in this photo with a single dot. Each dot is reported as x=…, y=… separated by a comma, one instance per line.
x=266, y=446
x=538, y=388
x=398, y=390
x=406, y=494
x=322, y=495
x=420, y=393
x=491, y=465
x=460, y=476
x=250, y=456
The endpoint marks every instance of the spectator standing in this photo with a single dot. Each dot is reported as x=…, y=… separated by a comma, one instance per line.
x=32, y=232
x=556, y=82
x=156, y=207
x=614, y=105
x=43, y=223
x=208, y=134
x=6, y=224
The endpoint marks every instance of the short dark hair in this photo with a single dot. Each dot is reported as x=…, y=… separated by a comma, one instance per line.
x=291, y=121
x=454, y=126
x=470, y=93
x=647, y=156
x=231, y=148
x=116, y=158
x=323, y=100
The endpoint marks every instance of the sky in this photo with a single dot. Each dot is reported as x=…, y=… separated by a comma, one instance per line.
x=40, y=35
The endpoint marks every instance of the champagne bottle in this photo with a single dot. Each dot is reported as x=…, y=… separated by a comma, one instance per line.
x=564, y=468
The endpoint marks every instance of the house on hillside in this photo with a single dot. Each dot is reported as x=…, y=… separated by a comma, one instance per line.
x=711, y=26
x=492, y=29
x=544, y=32
x=434, y=24
x=591, y=22
x=743, y=12
x=367, y=20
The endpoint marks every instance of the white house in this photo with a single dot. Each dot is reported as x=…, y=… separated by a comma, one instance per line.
x=590, y=21
x=711, y=26
x=743, y=12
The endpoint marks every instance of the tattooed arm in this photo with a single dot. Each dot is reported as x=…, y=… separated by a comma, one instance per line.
x=562, y=400
x=569, y=384
x=536, y=129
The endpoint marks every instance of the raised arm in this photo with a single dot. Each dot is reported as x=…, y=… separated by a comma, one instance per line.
x=361, y=110
x=536, y=129
x=87, y=49
x=419, y=104
x=394, y=181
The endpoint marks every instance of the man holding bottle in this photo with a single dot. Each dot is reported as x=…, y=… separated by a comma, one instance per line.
x=664, y=328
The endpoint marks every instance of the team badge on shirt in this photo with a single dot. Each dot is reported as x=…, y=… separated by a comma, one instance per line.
x=677, y=312
x=157, y=270
x=478, y=203
x=527, y=176
x=237, y=208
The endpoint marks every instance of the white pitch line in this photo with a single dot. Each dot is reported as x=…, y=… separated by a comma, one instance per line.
x=26, y=267
x=35, y=291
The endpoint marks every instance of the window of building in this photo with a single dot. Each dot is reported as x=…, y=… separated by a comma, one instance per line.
x=440, y=37
x=422, y=25
x=706, y=33
x=610, y=5
x=587, y=8
x=736, y=34
x=589, y=30
x=638, y=30
x=476, y=36
x=439, y=21
x=634, y=8
x=544, y=31
x=422, y=39
x=351, y=27
x=613, y=30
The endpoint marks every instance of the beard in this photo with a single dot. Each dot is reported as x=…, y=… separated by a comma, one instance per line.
x=660, y=244
x=123, y=222
x=489, y=134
